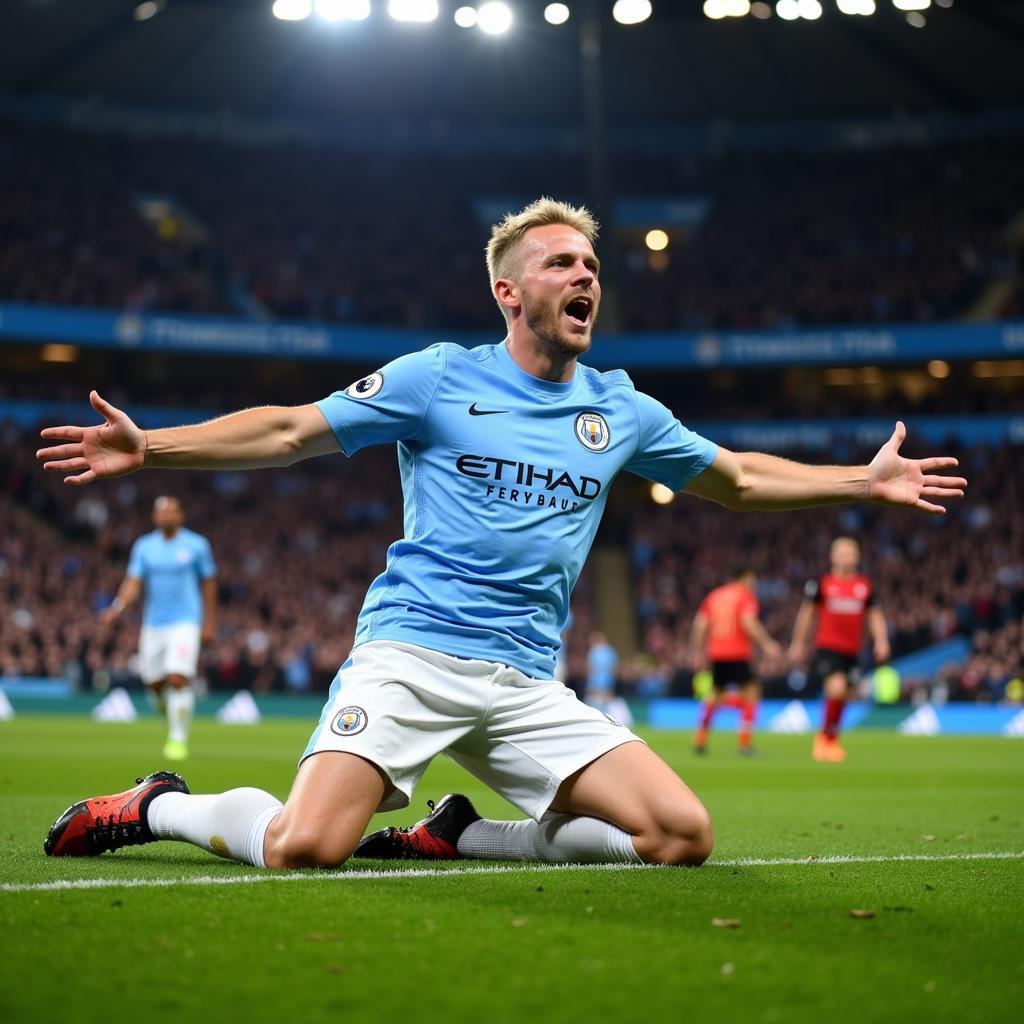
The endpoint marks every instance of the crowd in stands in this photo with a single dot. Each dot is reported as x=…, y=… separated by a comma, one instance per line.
x=795, y=238
x=296, y=550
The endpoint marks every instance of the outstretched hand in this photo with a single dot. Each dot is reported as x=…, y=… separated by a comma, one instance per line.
x=894, y=480
x=114, y=448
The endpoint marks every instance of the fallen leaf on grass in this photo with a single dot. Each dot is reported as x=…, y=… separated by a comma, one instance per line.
x=320, y=937
x=518, y=923
x=725, y=922
x=928, y=839
x=862, y=913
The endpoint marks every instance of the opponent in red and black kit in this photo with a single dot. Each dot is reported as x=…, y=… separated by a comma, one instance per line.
x=844, y=602
x=724, y=632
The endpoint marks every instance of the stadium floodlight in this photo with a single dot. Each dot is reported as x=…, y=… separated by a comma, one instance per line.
x=148, y=9
x=855, y=7
x=631, y=12
x=656, y=240
x=662, y=495
x=292, y=10
x=556, y=14
x=465, y=17
x=911, y=5
x=342, y=10
x=494, y=17
x=716, y=9
x=916, y=19
x=792, y=10
x=413, y=10
x=760, y=9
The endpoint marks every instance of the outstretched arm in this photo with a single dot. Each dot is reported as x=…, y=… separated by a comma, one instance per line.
x=127, y=594
x=264, y=438
x=752, y=480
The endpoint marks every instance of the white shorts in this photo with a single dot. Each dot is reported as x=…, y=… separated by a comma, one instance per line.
x=168, y=651
x=399, y=706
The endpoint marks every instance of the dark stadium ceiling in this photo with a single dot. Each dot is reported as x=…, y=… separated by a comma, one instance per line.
x=233, y=54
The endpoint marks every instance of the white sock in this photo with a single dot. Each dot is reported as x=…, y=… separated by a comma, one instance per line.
x=231, y=824
x=560, y=838
x=181, y=702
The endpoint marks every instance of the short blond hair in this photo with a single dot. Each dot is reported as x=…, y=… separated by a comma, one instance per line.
x=506, y=235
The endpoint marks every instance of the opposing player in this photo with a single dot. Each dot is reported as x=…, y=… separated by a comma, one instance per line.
x=844, y=602
x=506, y=454
x=725, y=630
x=173, y=570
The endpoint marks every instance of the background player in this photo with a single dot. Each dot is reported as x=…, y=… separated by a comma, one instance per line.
x=843, y=601
x=174, y=569
x=507, y=453
x=724, y=632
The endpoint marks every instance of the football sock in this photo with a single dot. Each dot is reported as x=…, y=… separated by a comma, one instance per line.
x=231, y=824
x=709, y=713
x=833, y=714
x=747, y=717
x=181, y=702
x=559, y=838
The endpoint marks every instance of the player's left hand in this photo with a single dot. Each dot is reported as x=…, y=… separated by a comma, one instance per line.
x=208, y=634
x=894, y=480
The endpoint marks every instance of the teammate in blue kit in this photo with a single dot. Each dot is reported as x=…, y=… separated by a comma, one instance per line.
x=506, y=454
x=173, y=570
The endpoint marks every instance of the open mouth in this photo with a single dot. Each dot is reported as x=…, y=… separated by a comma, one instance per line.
x=579, y=309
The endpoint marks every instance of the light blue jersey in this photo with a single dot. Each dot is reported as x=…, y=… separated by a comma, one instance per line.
x=171, y=571
x=505, y=477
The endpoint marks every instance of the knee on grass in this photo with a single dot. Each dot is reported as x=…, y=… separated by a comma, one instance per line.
x=680, y=837
x=299, y=846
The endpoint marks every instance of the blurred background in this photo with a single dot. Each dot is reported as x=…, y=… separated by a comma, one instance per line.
x=812, y=223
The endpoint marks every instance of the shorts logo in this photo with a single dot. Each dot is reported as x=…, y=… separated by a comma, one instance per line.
x=367, y=387
x=349, y=721
x=592, y=431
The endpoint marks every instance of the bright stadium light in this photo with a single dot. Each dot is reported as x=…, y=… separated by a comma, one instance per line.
x=413, y=10
x=661, y=495
x=855, y=7
x=343, y=10
x=911, y=5
x=656, y=240
x=292, y=10
x=631, y=12
x=916, y=19
x=760, y=9
x=556, y=14
x=714, y=9
x=494, y=17
x=148, y=9
x=792, y=10
x=465, y=17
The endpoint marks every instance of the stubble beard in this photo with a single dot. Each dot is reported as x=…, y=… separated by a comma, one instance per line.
x=543, y=321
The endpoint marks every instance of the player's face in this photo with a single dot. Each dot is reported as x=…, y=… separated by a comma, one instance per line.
x=845, y=556
x=559, y=289
x=167, y=514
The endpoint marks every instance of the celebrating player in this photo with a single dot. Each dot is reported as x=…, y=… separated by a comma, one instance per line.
x=843, y=601
x=174, y=569
x=724, y=632
x=506, y=454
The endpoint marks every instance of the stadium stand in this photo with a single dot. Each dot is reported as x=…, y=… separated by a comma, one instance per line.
x=912, y=234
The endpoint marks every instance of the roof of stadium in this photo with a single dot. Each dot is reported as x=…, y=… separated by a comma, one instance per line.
x=678, y=65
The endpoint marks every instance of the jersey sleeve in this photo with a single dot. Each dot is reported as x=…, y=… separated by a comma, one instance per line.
x=207, y=566
x=136, y=568
x=387, y=406
x=666, y=451
x=812, y=591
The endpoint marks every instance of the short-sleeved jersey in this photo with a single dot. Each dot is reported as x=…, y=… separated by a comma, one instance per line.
x=171, y=571
x=843, y=602
x=504, y=478
x=725, y=608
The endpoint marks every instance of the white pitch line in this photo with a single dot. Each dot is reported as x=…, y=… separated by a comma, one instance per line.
x=361, y=874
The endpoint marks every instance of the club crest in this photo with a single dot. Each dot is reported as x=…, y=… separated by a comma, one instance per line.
x=349, y=721
x=592, y=431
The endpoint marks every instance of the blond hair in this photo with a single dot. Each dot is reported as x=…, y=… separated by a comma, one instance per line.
x=506, y=236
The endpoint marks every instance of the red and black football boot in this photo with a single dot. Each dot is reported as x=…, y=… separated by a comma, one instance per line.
x=436, y=837
x=92, y=827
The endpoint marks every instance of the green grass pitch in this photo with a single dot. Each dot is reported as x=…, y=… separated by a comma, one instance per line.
x=472, y=942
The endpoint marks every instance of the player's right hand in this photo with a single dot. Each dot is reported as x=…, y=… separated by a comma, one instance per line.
x=796, y=654
x=114, y=448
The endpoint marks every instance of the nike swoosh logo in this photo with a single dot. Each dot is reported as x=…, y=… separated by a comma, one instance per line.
x=474, y=411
